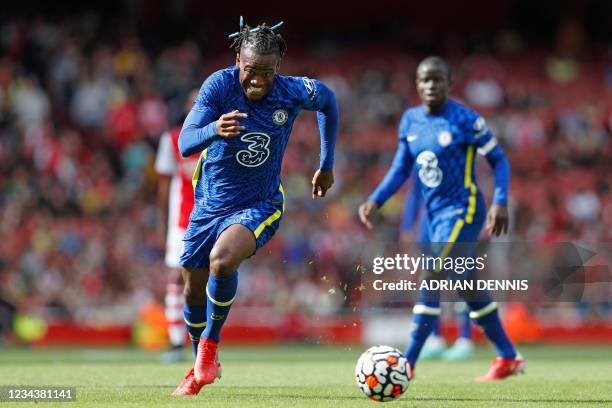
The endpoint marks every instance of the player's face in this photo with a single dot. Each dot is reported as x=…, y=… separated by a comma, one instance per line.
x=432, y=85
x=256, y=72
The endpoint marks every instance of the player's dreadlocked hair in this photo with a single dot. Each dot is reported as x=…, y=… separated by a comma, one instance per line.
x=262, y=39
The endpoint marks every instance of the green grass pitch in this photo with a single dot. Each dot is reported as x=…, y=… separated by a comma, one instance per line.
x=309, y=376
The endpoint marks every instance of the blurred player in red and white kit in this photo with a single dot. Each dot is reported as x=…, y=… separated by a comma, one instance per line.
x=175, y=199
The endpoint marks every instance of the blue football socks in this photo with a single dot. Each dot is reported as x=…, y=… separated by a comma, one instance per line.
x=195, y=321
x=425, y=316
x=486, y=316
x=220, y=293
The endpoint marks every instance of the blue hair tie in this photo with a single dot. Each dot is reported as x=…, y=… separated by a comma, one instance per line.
x=254, y=30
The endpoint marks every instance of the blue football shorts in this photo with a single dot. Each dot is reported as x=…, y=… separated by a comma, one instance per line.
x=454, y=233
x=262, y=218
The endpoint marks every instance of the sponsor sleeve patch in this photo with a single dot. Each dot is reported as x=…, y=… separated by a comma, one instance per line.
x=480, y=127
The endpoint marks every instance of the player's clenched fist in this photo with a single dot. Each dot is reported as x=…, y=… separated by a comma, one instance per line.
x=228, y=124
x=366, y=210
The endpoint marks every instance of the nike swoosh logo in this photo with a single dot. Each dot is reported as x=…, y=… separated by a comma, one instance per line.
x=411, y=138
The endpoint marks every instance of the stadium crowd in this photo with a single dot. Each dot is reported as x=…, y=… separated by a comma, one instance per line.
x=80, y=119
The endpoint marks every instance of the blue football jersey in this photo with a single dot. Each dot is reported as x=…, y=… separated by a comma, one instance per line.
x=238, y=171
x=443, y=147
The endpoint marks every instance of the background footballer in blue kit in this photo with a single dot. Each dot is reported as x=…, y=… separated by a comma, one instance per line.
x=440, y=138
x=241, y=122
x=442, y=149
x=414, y=228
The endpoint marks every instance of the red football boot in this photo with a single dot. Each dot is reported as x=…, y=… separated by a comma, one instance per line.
x=189, y=385
x=502, y=368
x=207, y=367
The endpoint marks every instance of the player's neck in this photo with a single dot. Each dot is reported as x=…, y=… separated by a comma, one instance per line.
x=435, y=109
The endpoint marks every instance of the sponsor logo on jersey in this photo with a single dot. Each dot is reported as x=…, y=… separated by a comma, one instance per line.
x=310, y=87
x=257, y=151
x=411, y=138
x=445, y=138
x=429, y=172
x=480, y=127
x=280, y=116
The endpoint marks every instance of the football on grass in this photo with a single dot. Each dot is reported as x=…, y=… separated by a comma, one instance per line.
x=382, y=373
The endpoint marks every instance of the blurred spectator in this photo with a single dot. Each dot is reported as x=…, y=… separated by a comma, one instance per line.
x=29, y=102
x=584, y=205
x=89, y=103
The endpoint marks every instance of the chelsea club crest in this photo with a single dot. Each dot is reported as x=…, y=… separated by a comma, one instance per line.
x=280, y=116
x=445, y=138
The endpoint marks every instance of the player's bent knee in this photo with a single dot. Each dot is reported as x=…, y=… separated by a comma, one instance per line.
x=222, y=263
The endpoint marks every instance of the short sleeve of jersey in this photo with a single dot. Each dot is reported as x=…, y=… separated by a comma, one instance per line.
x=210, y=96
x=307, y=92
x=165, y=161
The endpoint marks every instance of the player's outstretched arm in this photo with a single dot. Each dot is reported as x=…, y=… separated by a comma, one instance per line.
x=412, y=205
x=497, y=217
x=391, y=183
x=328, y=118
